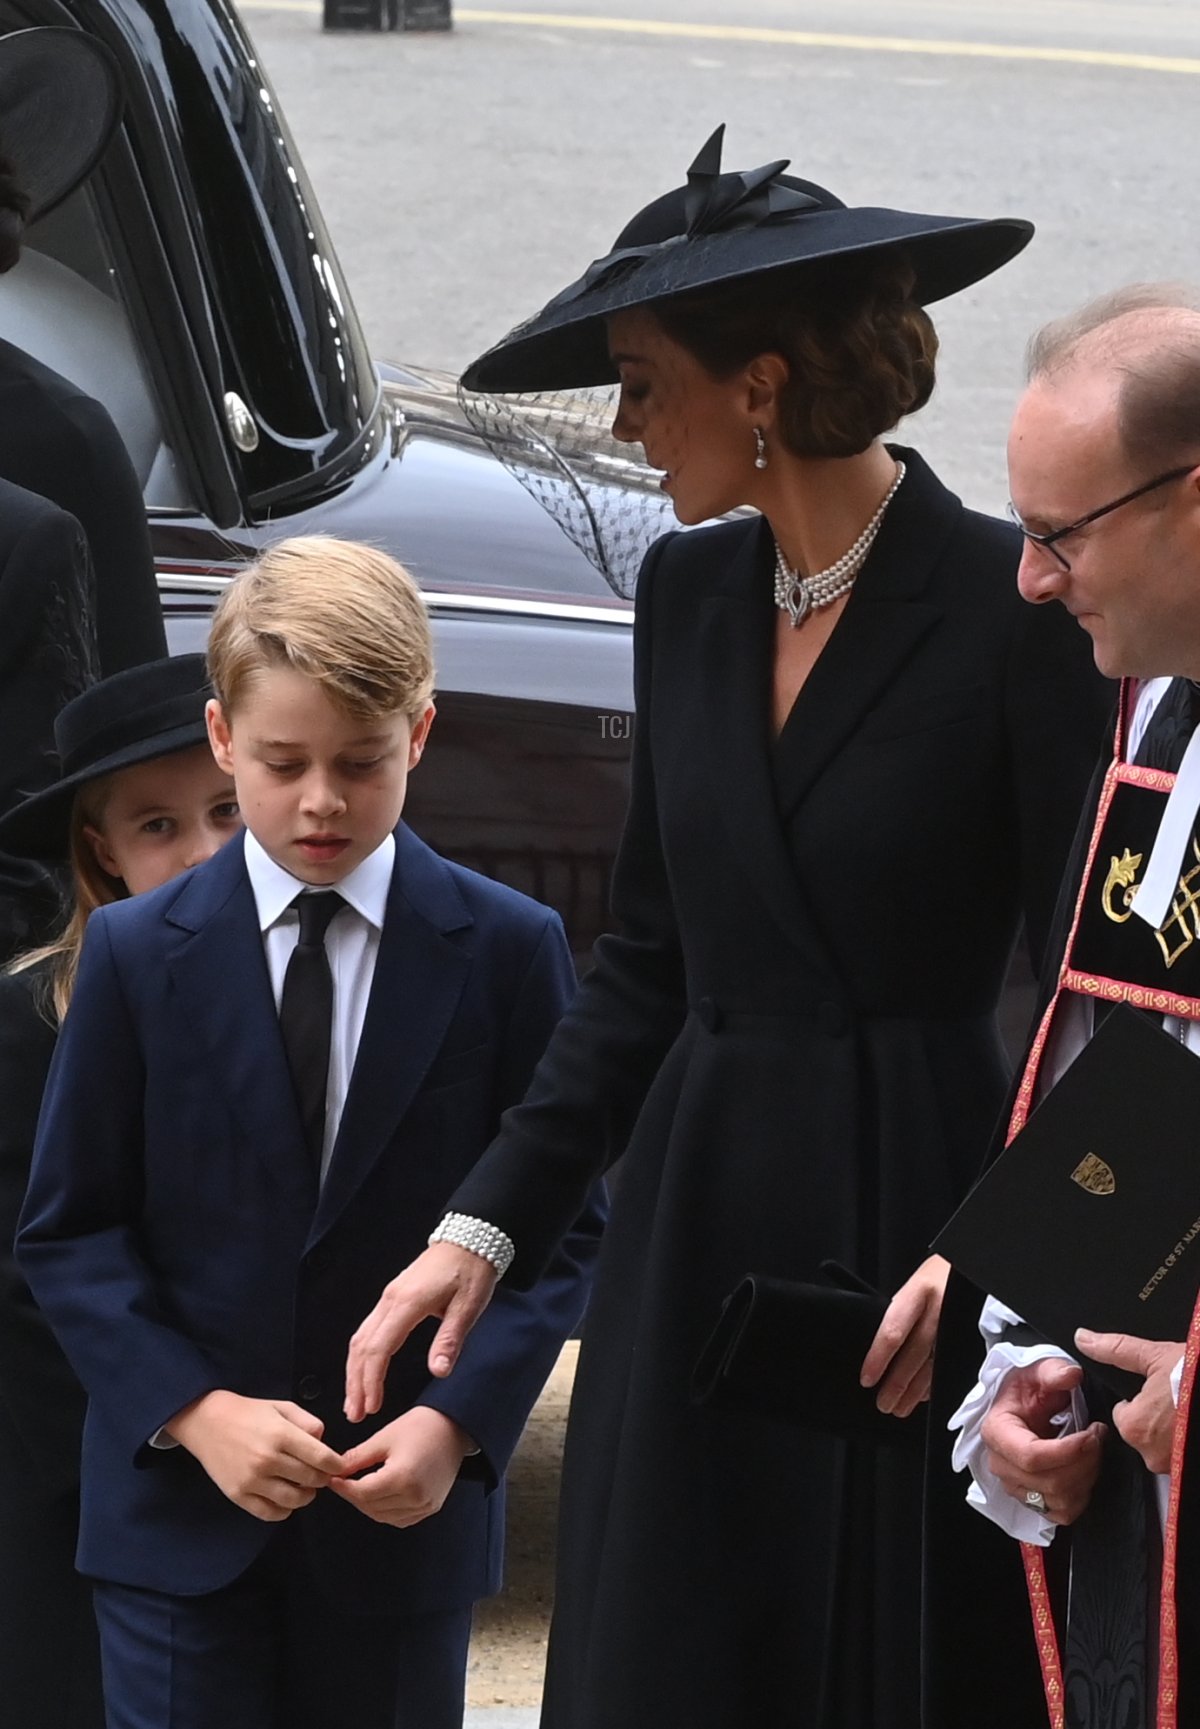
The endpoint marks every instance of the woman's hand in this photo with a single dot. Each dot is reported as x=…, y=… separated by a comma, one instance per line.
x=900, y=1361
x=454, y=1284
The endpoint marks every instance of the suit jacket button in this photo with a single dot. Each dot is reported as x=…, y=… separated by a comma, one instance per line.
x=309, y=1388
x=709, y=1011
x=318, y=1259
x=832, y=1019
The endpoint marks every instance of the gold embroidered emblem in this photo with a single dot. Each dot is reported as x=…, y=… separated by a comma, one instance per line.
x=1094, y=1175
x=1183, y=926
x=1122, y=874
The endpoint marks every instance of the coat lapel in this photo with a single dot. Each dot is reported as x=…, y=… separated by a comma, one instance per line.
x=736, y=621
x=219, y=960
x=418, y=981
x=885, y=620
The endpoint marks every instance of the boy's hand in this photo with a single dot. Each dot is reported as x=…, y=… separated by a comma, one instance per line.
x=446, y=1281
x=266, y=1455
x=418, y=1456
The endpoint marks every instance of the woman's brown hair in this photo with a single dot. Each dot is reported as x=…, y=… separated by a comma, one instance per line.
x=93, y=887
x=860, y=349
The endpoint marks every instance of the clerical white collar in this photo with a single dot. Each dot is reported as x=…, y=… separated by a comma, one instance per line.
x=366, y=888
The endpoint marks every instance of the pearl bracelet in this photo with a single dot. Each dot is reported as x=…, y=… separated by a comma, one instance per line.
x=479, y=1237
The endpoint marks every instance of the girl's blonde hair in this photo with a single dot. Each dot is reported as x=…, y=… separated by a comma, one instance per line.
x=92, y=887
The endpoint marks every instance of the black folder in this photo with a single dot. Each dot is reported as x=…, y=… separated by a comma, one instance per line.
x=1091, y=1216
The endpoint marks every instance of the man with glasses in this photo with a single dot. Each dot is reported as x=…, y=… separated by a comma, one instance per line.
x=1104, y=468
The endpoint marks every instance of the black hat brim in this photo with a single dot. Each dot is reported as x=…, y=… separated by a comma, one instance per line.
x=60, y=103
x=565, y=346
x=40, y=827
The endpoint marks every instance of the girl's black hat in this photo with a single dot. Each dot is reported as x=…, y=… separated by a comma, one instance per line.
x=726, y=227
x=138, y=714
x=60, y=101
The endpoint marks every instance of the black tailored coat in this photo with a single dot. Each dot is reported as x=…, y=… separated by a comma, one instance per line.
x=47, y=656
x=793, y=1032
x=49, y=1650
x=57, y=441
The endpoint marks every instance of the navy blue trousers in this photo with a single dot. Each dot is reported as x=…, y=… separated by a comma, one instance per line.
x=274, y=1651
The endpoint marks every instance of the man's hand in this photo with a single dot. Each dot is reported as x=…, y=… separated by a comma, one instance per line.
x=446, y=1281
x=1146, y=1422
x=418, y=1457
x=1022, y=1449
x=903, y=1346
x=266, y=1455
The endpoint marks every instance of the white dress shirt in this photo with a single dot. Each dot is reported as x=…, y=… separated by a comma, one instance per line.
x=352, y=944
x=1072, y=1030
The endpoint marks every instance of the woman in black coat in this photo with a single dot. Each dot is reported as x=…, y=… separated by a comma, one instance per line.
x=856, y=764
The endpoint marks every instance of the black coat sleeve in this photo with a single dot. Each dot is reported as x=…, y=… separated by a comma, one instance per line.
x=586, y=1093
x=47, y=656
x=1060, y=712
x=98, y=486
x=38, y=1390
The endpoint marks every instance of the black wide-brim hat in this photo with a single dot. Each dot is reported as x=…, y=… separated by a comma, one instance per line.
x=720, y=228
x=60, y=101
x=136, y=715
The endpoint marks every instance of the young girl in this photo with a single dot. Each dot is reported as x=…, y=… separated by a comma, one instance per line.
x=139, y=799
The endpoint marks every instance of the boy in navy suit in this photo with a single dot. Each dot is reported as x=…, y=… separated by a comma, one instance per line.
x=274, y=1071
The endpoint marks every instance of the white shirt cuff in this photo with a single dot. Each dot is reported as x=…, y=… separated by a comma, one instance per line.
x=986, y=1493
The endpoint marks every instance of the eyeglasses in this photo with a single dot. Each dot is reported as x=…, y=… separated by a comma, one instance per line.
x=1049, y=541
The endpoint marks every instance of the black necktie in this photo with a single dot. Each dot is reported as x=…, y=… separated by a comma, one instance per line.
x=306, y=1016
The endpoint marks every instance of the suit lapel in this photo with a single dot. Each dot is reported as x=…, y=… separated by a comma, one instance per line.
x=220, y=960
x=418, y=981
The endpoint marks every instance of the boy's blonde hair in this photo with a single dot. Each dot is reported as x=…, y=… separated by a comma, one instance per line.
x=345, y=615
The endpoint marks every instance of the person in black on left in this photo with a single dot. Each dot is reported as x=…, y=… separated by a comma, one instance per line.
x=47, y=656
x=139, y=799
x=54, y=439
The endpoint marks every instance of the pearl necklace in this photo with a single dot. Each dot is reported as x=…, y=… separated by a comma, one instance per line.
x=799, y=595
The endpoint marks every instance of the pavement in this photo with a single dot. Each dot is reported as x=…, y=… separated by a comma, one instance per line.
x=467, y=175
x=508, y=1648
x=501, y=1718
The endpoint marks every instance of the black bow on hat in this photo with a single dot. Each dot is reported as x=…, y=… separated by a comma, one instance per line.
x=60, y=101
x=725, y=226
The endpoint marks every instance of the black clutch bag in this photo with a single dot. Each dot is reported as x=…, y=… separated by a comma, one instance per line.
x=792, y=1351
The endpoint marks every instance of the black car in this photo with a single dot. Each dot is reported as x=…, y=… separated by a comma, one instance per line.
x=192, y=287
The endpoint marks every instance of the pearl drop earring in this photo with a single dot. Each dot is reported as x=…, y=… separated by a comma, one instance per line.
x=760, y=445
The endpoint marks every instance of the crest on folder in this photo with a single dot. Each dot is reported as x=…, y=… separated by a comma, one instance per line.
x=1094, y=1175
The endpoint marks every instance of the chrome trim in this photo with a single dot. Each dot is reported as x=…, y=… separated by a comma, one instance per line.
x=439, y=600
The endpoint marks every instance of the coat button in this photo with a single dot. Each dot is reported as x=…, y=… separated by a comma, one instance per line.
x=318, y=1259
x=832, y=1018
x=709, y=1011
x=309, y=1388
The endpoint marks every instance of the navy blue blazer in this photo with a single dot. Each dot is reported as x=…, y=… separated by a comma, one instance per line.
x=169, y=1232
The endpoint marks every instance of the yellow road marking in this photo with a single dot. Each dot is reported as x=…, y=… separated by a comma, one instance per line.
x=765, y=34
